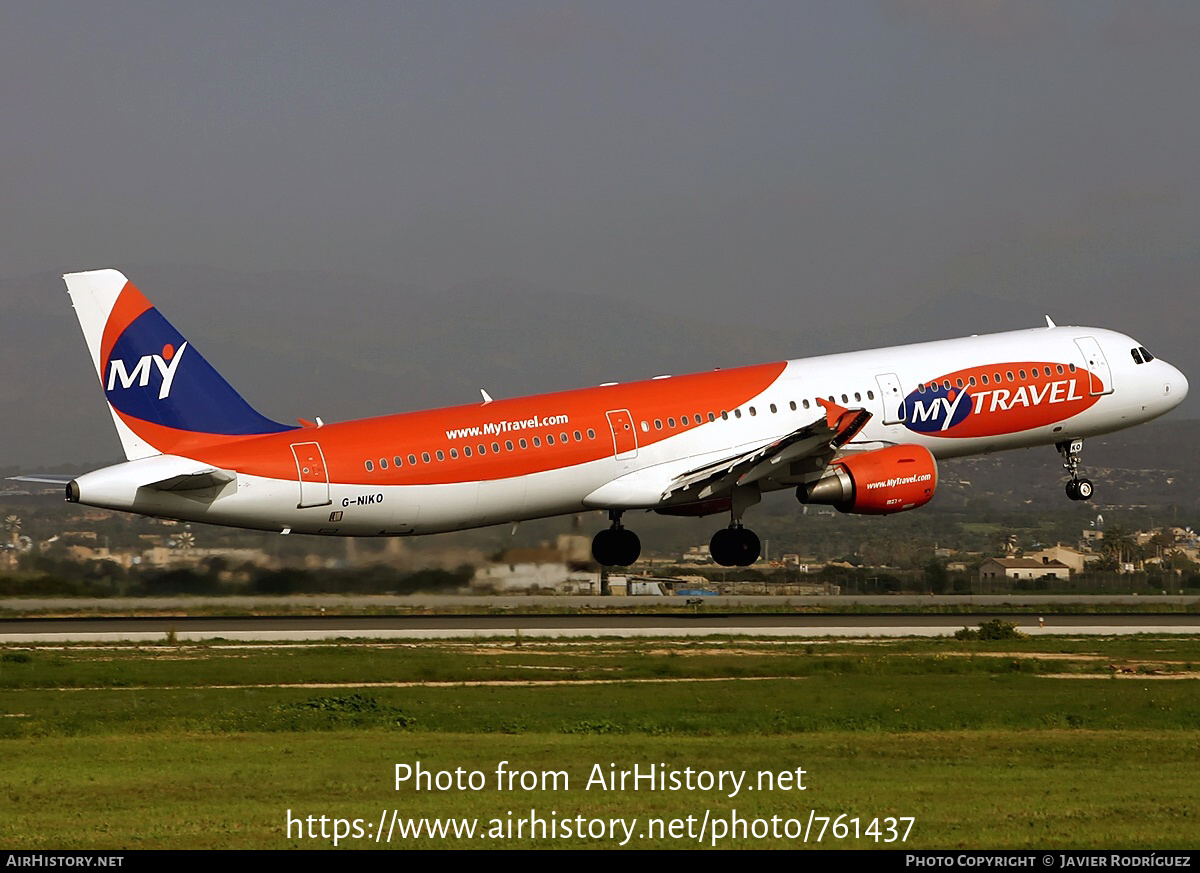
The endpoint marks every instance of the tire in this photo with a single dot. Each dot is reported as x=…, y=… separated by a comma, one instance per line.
x=723, y=547
x=749, y=547
x=605, y=548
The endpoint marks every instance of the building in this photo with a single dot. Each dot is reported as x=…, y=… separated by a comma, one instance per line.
x=1023, y=568
x=1073, y=558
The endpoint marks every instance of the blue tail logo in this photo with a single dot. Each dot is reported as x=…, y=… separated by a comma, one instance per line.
x=152, y=374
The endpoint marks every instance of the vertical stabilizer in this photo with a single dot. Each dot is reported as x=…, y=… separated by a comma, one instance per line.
x=161, y=392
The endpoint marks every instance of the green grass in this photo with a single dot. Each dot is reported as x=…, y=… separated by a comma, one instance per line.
x=128, y=747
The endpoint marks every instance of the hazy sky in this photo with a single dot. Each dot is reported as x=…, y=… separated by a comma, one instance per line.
x=766, y=162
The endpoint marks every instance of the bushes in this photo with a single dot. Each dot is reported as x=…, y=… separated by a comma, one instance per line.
x=991, y=630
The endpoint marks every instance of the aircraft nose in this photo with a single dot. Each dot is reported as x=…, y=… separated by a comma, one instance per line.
x=1175, y=388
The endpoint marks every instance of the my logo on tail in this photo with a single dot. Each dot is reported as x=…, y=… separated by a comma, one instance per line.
x=166, y=363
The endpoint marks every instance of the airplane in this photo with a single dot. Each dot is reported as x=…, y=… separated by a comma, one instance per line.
x=860, y=431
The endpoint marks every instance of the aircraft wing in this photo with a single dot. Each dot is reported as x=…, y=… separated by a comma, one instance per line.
x=43, y=478
x=805, y=450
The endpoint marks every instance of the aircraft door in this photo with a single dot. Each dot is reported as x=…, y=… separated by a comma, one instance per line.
x=624, y=434
x=314, y=478
x=892, y=396
x=1097, y=365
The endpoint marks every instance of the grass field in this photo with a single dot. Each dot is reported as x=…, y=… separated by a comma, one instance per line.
x=1022, y=743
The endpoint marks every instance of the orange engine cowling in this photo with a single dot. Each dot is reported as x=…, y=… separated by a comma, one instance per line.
x=876, y=483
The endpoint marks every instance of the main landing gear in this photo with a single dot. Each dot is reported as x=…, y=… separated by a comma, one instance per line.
x=735, y=546
x=1077, y=489
x=617, y=546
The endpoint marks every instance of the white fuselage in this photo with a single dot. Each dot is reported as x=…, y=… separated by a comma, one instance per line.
x=624, y=444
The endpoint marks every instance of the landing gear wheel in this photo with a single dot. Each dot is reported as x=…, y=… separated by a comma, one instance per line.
x=735, y=547
x=749, y=547
x=616, y=547
x=1080, y=489
x=605, y=548
x=629, y=547
x=723, y=547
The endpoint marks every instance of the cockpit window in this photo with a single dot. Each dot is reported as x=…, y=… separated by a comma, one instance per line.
x=1146, y=356
x=1137, y=356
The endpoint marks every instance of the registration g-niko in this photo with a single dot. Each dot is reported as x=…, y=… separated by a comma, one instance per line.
x=861, y=431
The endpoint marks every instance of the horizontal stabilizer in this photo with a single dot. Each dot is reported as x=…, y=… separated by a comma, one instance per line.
x=43, y=478
x=209, y=478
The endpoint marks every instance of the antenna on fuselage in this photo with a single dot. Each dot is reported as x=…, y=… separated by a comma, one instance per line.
x=1050, y=323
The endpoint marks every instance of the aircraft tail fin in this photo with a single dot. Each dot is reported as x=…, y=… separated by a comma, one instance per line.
x=162, y=393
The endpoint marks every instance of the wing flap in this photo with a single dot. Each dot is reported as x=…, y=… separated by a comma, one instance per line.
x=817, y=443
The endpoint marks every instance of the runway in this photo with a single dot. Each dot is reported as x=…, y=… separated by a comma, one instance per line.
x=359, y=627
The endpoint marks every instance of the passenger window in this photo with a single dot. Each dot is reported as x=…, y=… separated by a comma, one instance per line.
x=466, y=451
x=369, y=466
x=752, y=411
x=537, y=443
x=523, y=443
x=399, y=461
x=383, y=463
x=737, y=413
x=563, y=437
x=671, y=423
x=412, y=459
x=712, y=417
x=591, y=434
x=870, y=395
x=792, y=405
x=425, y=457
x=645, y=427
x=441, y=456
x=508, y=444
x=658, y=424
x=496, y=448
x=579, y=436
x=549, y=439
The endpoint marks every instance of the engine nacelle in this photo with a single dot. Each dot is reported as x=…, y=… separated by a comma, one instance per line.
x=876, y=483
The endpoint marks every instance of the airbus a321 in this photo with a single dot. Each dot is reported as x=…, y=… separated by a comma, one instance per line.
x=861, y=431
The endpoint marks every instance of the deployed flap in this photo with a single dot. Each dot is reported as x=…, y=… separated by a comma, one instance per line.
x=817, y=442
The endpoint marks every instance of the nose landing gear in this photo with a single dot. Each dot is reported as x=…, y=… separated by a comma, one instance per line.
x=1077, y=488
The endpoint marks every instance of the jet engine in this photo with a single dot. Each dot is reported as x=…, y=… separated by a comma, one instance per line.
x=879, y=482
